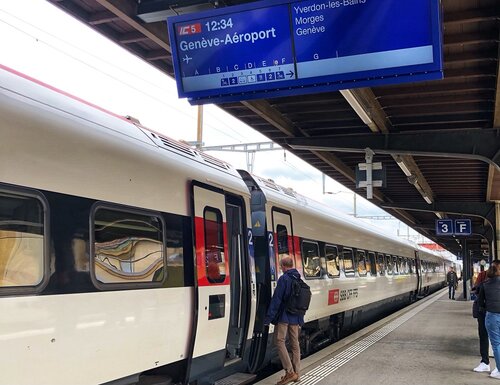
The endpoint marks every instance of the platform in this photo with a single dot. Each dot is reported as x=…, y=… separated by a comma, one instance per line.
x=432, y=342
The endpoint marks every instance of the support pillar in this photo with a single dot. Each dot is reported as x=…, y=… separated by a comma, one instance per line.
x=199, y=128
x=466, y=272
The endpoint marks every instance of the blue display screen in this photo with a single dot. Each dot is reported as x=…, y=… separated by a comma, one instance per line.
x=278, y=48
x=238, y=49
x=352, y=30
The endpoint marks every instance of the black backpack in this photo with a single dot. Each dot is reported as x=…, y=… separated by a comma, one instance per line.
x=300, y=297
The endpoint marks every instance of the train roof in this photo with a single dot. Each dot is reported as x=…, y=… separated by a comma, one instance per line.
x=279, y=194
x=158, y=139
x=43, y=104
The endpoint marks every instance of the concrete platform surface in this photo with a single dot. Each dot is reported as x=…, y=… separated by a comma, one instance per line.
x=431, y=342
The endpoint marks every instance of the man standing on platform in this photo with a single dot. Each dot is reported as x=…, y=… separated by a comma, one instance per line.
x=286, y=323
x=452, y=280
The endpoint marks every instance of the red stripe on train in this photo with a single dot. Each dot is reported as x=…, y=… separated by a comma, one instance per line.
x=202, y=269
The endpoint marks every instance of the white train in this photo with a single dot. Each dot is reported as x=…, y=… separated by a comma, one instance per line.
x=130, y=258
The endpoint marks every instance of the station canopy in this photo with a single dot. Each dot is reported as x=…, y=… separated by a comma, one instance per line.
x=439, y=140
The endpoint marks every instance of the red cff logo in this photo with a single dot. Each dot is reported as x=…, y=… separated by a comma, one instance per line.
x=333, y=296
x=190, y=29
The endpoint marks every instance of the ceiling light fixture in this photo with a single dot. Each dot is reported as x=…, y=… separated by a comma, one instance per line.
x=402, y=165
x=427, y=199
x=151, y=11
x=357, y=107
x=361, y=111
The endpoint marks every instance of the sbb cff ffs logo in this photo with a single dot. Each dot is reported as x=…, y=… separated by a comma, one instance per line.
x=333, y=296
x=189, y=29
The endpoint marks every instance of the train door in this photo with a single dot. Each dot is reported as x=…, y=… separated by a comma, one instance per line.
x=419, y=273
x=221, y=306
x=283, y=239
x=239, y=273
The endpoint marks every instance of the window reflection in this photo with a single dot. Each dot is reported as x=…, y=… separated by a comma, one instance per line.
x=311, y=260
x=360, y=258
x=21, y=240
x=214, y=246
x=127, y=246
x=332, y=261
x=347, y=256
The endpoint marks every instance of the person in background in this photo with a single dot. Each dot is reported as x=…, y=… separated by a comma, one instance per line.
x=451, y=280
x=484, y=365
x=285, y=322
x=489, y=299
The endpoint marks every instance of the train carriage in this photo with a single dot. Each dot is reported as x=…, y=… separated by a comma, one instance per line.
x=355, y=271
x=129, y=258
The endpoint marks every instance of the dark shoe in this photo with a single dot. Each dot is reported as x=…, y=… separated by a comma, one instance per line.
x=288, y=377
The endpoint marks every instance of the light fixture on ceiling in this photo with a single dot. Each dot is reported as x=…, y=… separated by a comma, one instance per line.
x=365, y=117
x=418, y=186
x=427, y=199
x=151, y=11
x=413, y=179
x=402, y=165
x=357, y=107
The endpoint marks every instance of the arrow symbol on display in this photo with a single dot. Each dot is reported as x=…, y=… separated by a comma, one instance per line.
x=290, y=74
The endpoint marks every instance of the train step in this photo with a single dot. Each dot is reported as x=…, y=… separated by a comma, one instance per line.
x=236, y=379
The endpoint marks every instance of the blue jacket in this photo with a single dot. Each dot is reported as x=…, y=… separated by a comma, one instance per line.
x=281, y=293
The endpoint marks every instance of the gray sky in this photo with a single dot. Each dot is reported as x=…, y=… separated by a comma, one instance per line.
x=49, y=45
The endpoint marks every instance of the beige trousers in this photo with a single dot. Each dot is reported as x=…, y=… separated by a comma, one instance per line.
x=280, y=332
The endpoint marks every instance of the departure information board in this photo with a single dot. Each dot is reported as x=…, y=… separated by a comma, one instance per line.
x=280, y=48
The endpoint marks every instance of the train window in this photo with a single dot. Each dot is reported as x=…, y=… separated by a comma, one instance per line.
x=177, y=232
x=371, y=265
x=361, y=262
x=410, y=266
x=407, y=266
x=22, y=244
x=389, y=264
x=332, y=261
x=381, y=264
x=310, y=259
x=128, y=246
x=283, y=247
x=347, y=258
x=395, y=265
x=215, y=262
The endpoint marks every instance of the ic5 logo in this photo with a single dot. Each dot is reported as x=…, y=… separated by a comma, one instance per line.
x=333, y=296
x=189, y=29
